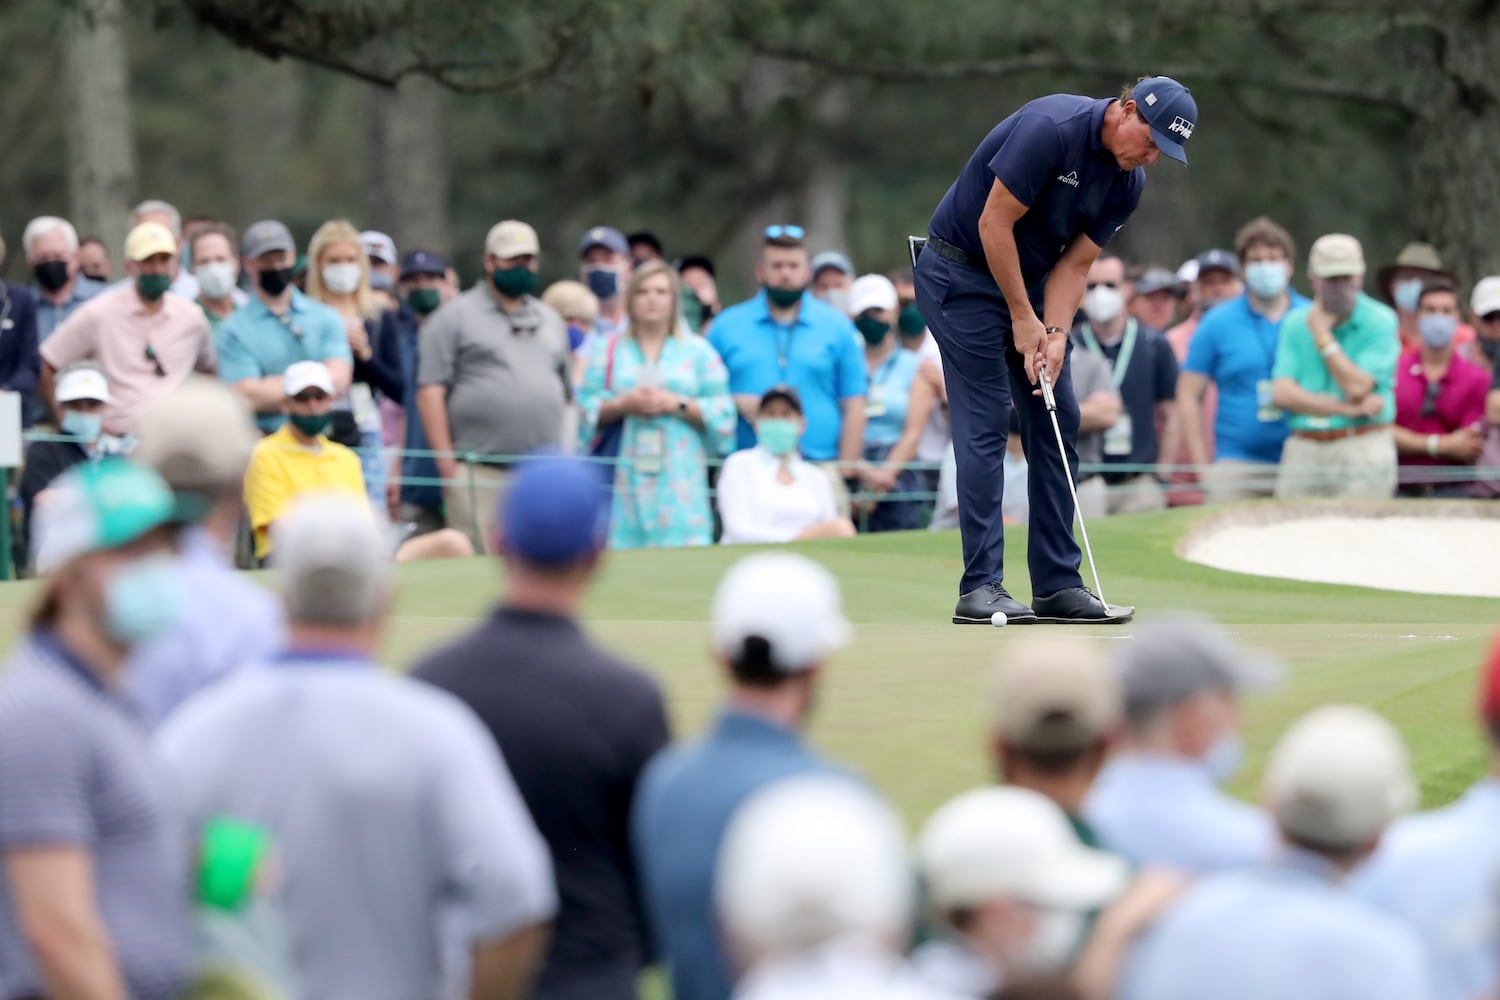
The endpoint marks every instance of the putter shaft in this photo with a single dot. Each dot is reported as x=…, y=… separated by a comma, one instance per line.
x=1062, y=453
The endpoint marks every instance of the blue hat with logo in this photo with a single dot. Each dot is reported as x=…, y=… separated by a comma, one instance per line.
x=427, y=262
x=603, y=236
x=555, y=511
x=1170, y=110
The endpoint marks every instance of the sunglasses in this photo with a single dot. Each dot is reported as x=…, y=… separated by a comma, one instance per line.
x=785, y=233
x=1107, y=284
x=155, y=361
x=1493, y=317
x=1429, y=399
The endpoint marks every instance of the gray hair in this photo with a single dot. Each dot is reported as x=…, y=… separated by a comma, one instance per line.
x=332, y=562
x=43, y=225
x=155, y=206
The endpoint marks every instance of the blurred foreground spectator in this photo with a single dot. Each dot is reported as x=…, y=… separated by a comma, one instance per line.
x=776, y=620
x=1440, y=426
x=557, y=704
x=415, y=792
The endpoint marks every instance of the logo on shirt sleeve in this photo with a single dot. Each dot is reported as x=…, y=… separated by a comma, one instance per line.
x=1070, y=178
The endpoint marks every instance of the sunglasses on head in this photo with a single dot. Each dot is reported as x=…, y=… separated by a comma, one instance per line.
x=785, y=232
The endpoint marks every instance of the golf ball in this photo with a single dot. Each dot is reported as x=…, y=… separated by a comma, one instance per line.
x=998, y=619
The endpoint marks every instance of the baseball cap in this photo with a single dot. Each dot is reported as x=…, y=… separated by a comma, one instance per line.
x=1012, y=843
x=198, y=437
x=872, y=291
x=1170, y=110
x=149, y=239
x=787, y=600
x=782, y=392
x=331, y=560
x=555, y=511
x=1335, y=256
x=265, y=237
x=1188, y=272
x=1179, y=656
x=304, y=375
x=1216, y=260
x=603, y=236
x=1157, y=279
x=423, y=262
x=97, y=506
x=378, y=246
x=808, y=859
x=697, y=260
x=1056, y=693
x=1485, y=298
x=1338, y=777
x=512, y=239
x=82, y=383
x=833, y=259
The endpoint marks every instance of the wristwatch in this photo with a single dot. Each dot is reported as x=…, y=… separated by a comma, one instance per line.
x=1056, y=329
x=682, y=406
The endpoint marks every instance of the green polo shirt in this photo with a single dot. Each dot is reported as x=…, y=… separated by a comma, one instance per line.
x=1369, y=337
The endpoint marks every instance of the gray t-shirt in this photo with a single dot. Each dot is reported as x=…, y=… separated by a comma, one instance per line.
x=76, y=770
x=1091, y=374
x=507, y=374
x=400, y=836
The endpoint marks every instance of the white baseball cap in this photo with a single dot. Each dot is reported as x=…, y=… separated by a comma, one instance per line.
x=872, y=291
x=82, y=383
x=304, y=375
x=1485, y=298
x=1338, y=777
x=788, y=600
x=809, y=859
x=1012, y=843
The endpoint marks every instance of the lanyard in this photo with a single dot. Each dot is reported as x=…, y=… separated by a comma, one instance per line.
x=882, y=374
x=1121, y=364
x=783, y=348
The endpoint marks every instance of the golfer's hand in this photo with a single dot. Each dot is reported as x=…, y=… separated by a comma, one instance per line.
x=1055, y=351
x=1031, y=340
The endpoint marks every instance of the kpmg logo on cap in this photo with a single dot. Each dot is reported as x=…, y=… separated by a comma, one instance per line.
x=1181, y=126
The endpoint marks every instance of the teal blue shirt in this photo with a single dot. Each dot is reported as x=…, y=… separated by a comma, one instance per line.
x=1369, y=337
x=254, y=342
x=889, y=397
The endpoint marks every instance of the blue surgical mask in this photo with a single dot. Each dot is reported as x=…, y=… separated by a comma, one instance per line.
x=84, y=426
x=604, y=282
x=1224, y=758
x=1407, y=293
x=1437, y=330
x=1266, y=279
x=143, y=599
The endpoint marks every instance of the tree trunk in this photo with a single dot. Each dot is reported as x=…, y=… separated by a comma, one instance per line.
x=826, y=192
x=408, y=163
x=101, y=148
x=262, y=110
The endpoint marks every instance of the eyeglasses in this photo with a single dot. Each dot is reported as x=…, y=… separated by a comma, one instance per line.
x=1107, y=284
x=785, y=233
x=1430, y=398
x=151, y=357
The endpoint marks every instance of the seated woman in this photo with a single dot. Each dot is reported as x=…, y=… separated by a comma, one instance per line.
x=768, y=493
x=81, y=394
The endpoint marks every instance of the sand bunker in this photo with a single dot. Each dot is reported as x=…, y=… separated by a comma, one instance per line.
x=1434, y=548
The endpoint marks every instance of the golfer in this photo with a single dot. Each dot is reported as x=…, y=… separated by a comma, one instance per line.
x=999, y=282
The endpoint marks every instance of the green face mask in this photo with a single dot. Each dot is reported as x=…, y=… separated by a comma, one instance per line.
x=778, y=435
x=911, y=322
x=783, y=298
x=424, y=300
x=873, y=330
x=514, y=282
x=153, y=286
x=311, y=425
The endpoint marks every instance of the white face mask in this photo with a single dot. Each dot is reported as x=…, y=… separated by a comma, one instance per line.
x=1052, y=944
x=341, y=278
x=1102, y=304
x=215, y=280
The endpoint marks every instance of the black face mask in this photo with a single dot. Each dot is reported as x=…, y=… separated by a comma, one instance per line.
x=274, y=281
x=51, y=274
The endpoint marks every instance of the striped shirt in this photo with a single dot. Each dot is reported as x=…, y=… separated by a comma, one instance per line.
x=76, y=771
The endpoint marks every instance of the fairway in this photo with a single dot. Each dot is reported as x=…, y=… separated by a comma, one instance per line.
x=906, y=704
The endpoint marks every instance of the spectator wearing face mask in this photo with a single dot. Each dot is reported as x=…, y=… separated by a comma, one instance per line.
x=1440, y=397
x=1157, y=801
x=51, y=248
x=1213, y=279
x=81, y=396
x=166, y=215
x=217, y=268
x=768, y=493
x=697, y=272
x=93, y=260
x=1400, y=284
x=1484, y=304
x=604, y=266
x=645, y=246
x=414, y=496
x=1335, y=376
x=385, y=268
x=936, y=441
x=832, y=277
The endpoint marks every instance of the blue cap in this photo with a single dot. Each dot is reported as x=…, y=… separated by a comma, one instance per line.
x=423, y=262
x=555, y=511
x=1218, y=260
x=603, y=236
x=834, y=259
x=1170, y=110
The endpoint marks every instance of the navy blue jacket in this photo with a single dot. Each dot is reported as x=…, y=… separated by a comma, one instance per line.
x=20, y=364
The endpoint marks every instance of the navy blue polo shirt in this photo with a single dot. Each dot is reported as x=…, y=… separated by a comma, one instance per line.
x=1050, y=155
x=1149, y=378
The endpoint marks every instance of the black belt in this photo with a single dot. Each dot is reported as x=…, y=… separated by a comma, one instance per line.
x=948, y=251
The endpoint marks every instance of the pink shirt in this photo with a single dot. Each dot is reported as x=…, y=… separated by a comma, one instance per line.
x=114, y=330
x=1459, y=403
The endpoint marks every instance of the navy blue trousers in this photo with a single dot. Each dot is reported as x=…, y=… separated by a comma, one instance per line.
x=966, y=312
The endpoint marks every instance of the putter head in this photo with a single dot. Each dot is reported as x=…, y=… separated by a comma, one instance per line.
x=914, y=245
x=1045, y=378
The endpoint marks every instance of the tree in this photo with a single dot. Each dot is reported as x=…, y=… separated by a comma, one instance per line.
x=101, y=149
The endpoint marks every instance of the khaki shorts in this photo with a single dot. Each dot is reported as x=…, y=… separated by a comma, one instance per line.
x=471, y=501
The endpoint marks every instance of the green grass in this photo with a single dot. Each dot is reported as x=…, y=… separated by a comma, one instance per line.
x=907, y=703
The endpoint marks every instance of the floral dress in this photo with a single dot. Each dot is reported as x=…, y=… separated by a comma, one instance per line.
x=661, y=481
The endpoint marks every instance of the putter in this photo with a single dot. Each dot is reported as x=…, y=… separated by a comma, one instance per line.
x=1062, y=453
